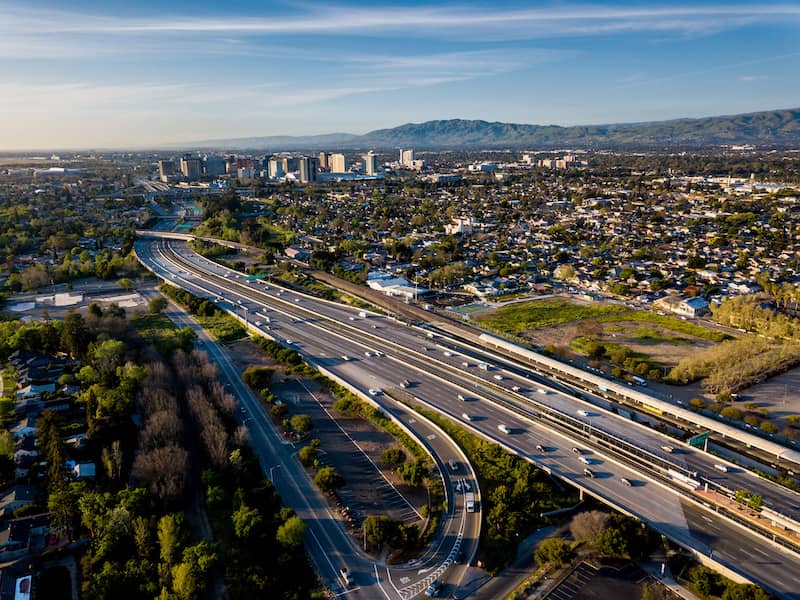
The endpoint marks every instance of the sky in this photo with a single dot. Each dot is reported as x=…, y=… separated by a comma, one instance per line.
x=121, y=74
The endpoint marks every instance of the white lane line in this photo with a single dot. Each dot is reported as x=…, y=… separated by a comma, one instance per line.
x=378, y=581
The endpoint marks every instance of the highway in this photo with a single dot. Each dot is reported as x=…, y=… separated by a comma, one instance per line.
x=337, y=338
x=329, y=545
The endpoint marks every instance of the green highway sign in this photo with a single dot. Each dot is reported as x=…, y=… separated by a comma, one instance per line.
x=699, y=439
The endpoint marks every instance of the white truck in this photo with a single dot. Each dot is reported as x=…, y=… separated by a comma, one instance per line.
x=469, y=499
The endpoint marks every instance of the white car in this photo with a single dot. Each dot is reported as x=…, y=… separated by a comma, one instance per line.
x=374, y=392
x=504, y=428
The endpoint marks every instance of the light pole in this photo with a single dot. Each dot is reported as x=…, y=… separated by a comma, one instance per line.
x=271, y=469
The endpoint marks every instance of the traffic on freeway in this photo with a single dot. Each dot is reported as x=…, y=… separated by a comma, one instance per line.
x=623, y=463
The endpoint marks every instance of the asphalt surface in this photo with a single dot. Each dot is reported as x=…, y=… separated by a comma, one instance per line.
x=338, y=338
x=330, y=546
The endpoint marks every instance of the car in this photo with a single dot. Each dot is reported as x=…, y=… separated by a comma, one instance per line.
x=588, y=473
x=462, y=398
x=577, y=450
x=583, y=413
x=290, y=342
x=541, y=448
x=374, y=392
x=347, y=576
x=626, y=481
x=367, y=353
x=584, y=460
x=516, y=388
x=468, y=416
x=345, y=357
x=504, y=428
x=453, y=465
x=448, y=353
x=434, y=589
x=498, y=377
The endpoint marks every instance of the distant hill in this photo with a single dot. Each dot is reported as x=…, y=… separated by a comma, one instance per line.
x=776, y=128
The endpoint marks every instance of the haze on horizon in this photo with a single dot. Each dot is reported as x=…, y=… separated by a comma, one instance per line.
x=113, y=74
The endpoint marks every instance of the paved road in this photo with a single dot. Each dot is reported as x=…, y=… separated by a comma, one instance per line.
x=339, y=338
x=330, y=546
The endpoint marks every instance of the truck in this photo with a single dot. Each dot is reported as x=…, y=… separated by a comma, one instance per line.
x=639, y=381
x=469, y=499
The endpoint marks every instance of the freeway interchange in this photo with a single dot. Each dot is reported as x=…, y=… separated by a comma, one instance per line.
x=495, y=397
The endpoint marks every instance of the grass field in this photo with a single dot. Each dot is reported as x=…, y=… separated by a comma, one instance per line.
x=667, y=322
x=517, y=318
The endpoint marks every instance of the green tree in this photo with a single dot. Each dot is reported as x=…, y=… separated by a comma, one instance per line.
x=157, y=305
x=327, y=479
x=553, y=550
x=246, y=521
x=169, y=537
x=290, y=533
x=301, y=423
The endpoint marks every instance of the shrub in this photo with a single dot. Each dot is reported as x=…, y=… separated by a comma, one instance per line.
x=731, y=412
x=553, y=550
x=393, y=456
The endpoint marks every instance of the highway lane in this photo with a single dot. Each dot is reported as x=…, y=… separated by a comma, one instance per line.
x=647, y=507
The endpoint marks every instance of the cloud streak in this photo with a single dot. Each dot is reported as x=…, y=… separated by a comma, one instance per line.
x=332, y=20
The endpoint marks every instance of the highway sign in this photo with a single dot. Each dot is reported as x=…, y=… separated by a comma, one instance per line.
x=698, y=440
x=254, y=277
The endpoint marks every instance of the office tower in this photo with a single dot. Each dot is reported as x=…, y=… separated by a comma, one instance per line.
x=215, y=165
x=276, y=168
x=338, y=164
x=324, y=161
x=167, y=170
x=407, y=157
x=308, y=169
x=370, y=164
x=191, y=167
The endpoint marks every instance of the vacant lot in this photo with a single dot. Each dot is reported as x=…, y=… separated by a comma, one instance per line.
x=518, y=318
x=558, y=322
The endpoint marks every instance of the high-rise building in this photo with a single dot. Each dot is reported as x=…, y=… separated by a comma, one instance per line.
x=215, y=165
x=167, y=170
x=276, y=168
x=191, y=167
x=338, y=164
x=370, y=163
x=308, y=169
x=324, y=161
x=407, y=157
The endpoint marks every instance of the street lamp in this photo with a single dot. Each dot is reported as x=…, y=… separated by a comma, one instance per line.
x=271, y=469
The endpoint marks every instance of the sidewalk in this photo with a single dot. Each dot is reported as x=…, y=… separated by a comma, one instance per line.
x=668, y=580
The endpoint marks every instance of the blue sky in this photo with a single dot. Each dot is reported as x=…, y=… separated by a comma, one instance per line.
x=88, y=73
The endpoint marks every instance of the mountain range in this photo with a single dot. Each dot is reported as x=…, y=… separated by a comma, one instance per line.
x=775, y=128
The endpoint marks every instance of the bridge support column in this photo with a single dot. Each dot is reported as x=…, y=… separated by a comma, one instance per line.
x=580, y=494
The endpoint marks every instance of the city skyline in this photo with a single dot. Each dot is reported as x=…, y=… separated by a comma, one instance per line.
x=111, y=75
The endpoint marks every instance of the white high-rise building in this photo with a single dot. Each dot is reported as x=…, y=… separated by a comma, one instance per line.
x=407, y=157
x=370, y=164
x=276, y=168
x=337, y=163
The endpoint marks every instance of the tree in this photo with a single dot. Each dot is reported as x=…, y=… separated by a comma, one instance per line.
x=307, y=455
x=126, y=284
x=393, y=456
x=169, y=537
x=744, y=591
x=327, y=479
x=290, y=534
x=588, y=526
x=707, y=581
x=301, y=423
x=553, y=550
x=246, y=521
x=158, y=305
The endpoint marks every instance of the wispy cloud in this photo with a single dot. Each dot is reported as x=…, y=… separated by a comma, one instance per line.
x=327, y=19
